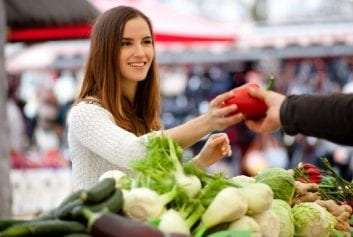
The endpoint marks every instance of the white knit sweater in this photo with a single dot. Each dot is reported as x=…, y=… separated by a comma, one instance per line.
x=97, y=144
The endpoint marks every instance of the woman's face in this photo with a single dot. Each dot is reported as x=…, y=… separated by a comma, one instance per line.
x=137, y=51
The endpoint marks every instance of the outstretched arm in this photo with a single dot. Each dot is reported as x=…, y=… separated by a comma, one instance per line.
x=216, y=119
x=324, y=116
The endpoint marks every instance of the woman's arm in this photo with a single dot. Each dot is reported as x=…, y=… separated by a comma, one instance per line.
x=216, y=119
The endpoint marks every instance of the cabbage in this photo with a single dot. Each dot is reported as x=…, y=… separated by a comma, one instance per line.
x=283, y=211
x=312, y=220
x=280, y=181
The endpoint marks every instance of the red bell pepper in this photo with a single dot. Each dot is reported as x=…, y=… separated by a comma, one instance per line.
x=251, y=107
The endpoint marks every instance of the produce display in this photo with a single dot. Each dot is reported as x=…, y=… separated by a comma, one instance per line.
x=163, y=196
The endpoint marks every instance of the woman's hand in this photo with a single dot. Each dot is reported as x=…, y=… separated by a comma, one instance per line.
x=220, y=115
x=271, y=122
x=216, y=147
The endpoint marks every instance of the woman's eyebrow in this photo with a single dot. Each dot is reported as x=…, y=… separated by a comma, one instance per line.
x=131, y=39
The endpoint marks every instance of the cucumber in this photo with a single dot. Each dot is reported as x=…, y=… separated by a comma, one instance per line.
x=5, y=223
x=64, y=212
x=47, y=216
x=114, y=204
x=99, y=191
x=72, y=197
x=42, y=228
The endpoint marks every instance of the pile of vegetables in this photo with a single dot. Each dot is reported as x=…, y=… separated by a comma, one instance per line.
x=164, y=196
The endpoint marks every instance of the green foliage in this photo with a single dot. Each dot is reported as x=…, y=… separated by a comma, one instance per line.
x=156, y=170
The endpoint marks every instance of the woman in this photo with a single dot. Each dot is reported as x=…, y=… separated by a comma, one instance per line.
x=119, y=102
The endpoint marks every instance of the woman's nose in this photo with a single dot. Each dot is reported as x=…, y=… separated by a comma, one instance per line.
x=139, y=50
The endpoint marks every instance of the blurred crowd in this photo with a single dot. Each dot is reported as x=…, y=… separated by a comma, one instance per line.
x=38, y=103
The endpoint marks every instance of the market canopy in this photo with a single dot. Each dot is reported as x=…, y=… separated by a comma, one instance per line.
x=43, y=20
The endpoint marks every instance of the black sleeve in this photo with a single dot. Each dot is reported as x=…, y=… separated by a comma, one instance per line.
x=329, y=117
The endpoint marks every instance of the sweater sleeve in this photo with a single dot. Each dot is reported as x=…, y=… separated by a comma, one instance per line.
x=94, y=128
x=324, y=116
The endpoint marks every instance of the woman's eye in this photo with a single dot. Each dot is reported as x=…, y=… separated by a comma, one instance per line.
x=125, y=43
x=147, y=41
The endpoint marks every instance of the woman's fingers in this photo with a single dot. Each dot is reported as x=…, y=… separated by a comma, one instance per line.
x=218, y=100
x=222, y=140
x=233, y=119
x=217, y=139
x=223, y=112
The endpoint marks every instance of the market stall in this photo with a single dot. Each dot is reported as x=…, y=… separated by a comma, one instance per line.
x=166, y=197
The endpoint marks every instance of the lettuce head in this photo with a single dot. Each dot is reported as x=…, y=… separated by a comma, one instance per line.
x=312, y=220
x=280, y=181
x=284, y=212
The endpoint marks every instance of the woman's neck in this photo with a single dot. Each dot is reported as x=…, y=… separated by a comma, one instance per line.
x=129, y=90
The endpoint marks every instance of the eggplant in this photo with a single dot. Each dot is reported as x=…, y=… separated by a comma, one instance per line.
x=105, y=224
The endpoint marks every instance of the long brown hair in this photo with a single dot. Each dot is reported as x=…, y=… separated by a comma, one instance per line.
x=102, y=79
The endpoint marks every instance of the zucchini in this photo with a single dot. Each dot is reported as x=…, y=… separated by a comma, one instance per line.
x=114, y=204
x=5, y=223
x=99, y=191
x=41, y=228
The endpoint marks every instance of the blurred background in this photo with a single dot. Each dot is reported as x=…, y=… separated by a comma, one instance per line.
x=204, y=48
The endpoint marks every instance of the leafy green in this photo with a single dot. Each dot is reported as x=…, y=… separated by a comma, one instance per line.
x=280, y=181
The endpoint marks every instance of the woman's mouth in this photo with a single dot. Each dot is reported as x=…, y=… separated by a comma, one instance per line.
x=137, y=64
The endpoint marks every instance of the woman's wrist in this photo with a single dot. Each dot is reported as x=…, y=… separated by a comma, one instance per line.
x=198, y=162
x=206, y=123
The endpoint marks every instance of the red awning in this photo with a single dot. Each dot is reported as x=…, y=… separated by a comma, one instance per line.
x=80, y=31
x=43, y=20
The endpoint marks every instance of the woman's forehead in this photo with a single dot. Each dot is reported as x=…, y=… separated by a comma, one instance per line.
x=136, y=27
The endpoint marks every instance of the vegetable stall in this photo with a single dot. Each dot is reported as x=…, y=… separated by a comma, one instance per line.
x=164, y=196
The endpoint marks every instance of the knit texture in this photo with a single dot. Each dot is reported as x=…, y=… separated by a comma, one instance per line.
x=97, y=144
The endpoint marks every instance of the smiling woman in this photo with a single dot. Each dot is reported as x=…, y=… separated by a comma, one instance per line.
x=136, y=54
x=119, y=102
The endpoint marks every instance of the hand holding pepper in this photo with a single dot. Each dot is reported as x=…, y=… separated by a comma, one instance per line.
x=271, y=120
